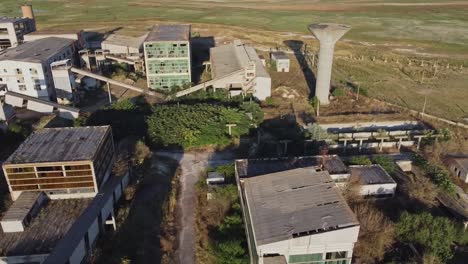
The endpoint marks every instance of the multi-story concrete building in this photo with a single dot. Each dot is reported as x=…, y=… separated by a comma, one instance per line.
x=62, y=162
x=168, y=56
x=238, y=68
x=12, y=30
x=26, y=69
x=294, y=213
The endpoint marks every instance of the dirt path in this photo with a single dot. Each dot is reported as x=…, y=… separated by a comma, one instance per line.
x=192, y=164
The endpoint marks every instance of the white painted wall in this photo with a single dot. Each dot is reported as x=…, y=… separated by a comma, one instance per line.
x=263, y=88
x=336, y=240
x=378, y=189
x=12, y=226
x=23, y=259
x=282, y=65
x=9, y=76
x=119, y=49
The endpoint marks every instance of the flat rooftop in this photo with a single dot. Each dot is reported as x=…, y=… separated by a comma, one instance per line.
x=37, y=50
x=122, y=40
x=294, y=203
x=461, y=161
x=254, y=167
x=280, y=55
x=59, y=145
x=169, y=33
x=370, y=174
x=45, y=230
x=11, y=19
x=233, y=57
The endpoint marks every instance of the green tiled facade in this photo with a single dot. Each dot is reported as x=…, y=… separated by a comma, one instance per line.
x=168, y=64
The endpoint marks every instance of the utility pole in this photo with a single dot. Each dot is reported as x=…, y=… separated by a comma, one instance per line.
x=424, y=106
x=109, y=92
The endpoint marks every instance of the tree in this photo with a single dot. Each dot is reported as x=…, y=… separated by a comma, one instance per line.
x=434, y=235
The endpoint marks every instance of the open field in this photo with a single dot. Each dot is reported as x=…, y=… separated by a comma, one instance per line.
x=441, y=25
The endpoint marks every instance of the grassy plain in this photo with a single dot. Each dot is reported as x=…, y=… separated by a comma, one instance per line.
x=433, y=31
x=441, y=24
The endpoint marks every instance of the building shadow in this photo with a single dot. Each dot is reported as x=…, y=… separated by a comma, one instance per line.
x=200, y=48
x=304, y=58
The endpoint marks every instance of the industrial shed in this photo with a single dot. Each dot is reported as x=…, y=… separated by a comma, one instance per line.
x=458, y=166
x=295, y=215
x=238, y=68
x=123, y=45
x=281, y=60
x=63, y=162
x=373, y=180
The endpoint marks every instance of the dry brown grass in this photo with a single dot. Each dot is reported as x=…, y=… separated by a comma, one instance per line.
x=375, y=236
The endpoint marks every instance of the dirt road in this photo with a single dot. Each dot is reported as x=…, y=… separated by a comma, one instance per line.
x=192, y=164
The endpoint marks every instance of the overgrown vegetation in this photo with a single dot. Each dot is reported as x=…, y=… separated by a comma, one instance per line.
x=126, y=117
x=386, y=162
x=219, y=224
x=433, y=235
x=360, y=160
x=200, y=124
x=440, y=176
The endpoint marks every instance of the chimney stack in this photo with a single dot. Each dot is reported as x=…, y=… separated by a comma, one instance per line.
x=27, y=11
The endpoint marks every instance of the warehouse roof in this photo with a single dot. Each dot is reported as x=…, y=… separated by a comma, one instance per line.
x=45, y=230
x=294, y=203
x=234, y=57
x=122, y=40
x=370, y=174
x=36, y=51
x=253, y=167
x=60, y=144
x=169, y=33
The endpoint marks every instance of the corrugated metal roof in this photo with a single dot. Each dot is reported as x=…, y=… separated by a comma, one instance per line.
x=59, y=144
x=21, y=207
x=253, y=167
x=37, y=50
x=292, y=203
x=45, y=230
x=169, y=33
x=370, y=174
x=233, y=57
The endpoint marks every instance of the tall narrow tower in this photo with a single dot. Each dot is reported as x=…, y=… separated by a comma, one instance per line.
x=328, y=34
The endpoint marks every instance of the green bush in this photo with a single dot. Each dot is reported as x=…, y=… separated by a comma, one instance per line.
x=387, y=163
x=228, y=172
x=269, y=101
x=197, y=125
x=360, y=160
x=314, y=102
x=435, y=235
x=338, y=92
x=438, y=175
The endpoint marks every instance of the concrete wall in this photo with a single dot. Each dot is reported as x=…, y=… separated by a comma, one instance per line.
x=378, y=189
x=263, y=88
x=23, y=259
x=282, y=65
x=27, y=79
x=337, y=240
x=32, y=37
x=458, y=171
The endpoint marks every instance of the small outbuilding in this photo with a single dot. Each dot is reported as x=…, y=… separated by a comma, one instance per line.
x=458, y=166
x=282, y=61
x=373, y=181
x=214, y=178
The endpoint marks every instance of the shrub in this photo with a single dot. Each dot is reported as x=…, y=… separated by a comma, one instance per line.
x=314, y=102
x=387, y=163
x=269, y=101
x=438, y=175
x=338, y=92
x=197, y=125
x=360, y=160
x=435, y=235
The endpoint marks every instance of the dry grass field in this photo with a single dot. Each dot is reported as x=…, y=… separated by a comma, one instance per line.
x=430, y=32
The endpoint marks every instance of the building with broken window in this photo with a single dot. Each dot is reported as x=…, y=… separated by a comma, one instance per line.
x=26, y=69
x=168, y=56
x=62, y=162
x=294, y=213
x=13, y=29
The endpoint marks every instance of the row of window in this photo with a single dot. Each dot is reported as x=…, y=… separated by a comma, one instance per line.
x=338, y=257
